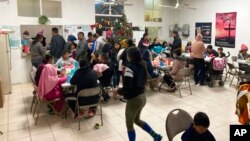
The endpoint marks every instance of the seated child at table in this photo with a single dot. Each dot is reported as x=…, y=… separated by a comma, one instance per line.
x=65, y=60
x=49, y=86
x=83, y=78
x=243, y=55
x=211, y=52
x=221, y=54
x=198, y=130
x=173, y=74
x=156, y=47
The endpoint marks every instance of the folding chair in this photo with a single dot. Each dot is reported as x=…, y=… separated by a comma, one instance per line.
x=32, y=78
x=177, y=121
x=91, y=92
x=185, y=74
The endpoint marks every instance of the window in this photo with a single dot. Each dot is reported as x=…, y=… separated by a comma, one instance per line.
x=52, y=8
x=35, y=8
x=153, y=13
x=28, y=8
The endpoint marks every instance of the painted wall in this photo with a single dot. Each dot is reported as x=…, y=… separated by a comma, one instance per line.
x=73, y=12
x=206, y=12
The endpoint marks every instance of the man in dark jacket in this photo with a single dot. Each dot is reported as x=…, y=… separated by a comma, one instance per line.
x=177, y=43
x=57, y=44
x=83, y=78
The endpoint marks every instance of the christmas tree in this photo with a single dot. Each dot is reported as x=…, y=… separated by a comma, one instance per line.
x=122, y=29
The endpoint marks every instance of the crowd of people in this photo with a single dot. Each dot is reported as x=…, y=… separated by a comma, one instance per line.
x=111, y=63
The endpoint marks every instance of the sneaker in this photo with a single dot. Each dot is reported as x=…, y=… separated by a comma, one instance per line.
x=81, y=114
x=91, y=113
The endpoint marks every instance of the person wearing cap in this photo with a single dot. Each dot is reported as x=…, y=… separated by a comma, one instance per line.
x=243, y=55
x=177, y=43
x=71, y=39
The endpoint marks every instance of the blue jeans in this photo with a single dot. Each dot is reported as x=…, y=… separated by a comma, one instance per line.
x=116, y=77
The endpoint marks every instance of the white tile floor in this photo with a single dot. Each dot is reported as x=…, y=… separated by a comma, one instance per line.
x=17, y=122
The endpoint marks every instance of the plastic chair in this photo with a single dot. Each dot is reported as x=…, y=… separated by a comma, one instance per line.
x=177, y=121
x=185, y=74
x=91, y=92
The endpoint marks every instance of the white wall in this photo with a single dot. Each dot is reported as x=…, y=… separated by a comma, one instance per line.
x=206, y=12
x=74, y=12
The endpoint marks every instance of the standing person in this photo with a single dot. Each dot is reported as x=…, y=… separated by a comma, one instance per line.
x=134, y=91
x=26, y=42
x=90, y=38
x=37, y=51
x=177, y=43
x=113, y=55
x=108, y=46
x=100, y=42
x=71, y=39
x=198, y=50
x=144, y=42
x=81, y=50
x=57, y=44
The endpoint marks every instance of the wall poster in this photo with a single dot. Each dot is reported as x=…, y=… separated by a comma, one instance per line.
x=225, y=29
x=205, y=29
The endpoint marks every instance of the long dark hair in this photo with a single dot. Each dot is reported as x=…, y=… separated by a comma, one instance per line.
x=37, y=38
x=135, y=57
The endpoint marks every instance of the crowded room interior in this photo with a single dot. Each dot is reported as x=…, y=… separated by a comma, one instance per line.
x=124, y=70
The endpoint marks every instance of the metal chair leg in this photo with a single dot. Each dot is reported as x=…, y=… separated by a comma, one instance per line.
x=232, y=81
x=36, y=103
x=32, y=103
x=38, y=112
x=189, y=87
x=161, y=86
x=101, y=113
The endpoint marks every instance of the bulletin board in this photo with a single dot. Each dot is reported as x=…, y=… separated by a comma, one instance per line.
x=75, y=29
x=14, y=38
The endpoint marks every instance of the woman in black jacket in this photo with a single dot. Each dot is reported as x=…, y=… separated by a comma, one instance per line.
x=133, y=90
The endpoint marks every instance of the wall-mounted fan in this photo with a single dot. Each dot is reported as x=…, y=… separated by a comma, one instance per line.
x=178, y=5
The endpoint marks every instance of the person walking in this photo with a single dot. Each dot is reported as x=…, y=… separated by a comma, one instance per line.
x=134, y=91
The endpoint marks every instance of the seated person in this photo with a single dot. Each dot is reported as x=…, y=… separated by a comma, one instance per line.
x=65, y=60
x=173, y=74
x=49, y=86
x=221, y=54
x=83, y=78
x=147, y=57
x=211, y=52
x=106, y=76
x=198, y=131
x=188, y=47
x=46, y=60
x=243, y=55
x=156, y=47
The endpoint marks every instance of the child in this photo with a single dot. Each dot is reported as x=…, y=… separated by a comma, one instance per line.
x=73, y=50
x=221, y=54
x=198, y=131
x=65, y=60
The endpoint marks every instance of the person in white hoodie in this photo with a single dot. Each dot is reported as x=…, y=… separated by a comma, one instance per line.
x=100, y=42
